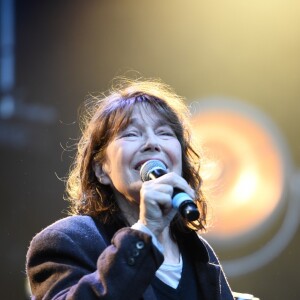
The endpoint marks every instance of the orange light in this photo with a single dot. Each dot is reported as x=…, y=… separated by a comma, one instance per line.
x=242, y=171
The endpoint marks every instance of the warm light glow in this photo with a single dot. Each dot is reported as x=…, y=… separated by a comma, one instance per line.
x=242, y=171
x=245, y=187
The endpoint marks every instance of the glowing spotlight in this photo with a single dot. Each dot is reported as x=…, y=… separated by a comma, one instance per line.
x=247, y=184
x=245, y=187
x=246, y=169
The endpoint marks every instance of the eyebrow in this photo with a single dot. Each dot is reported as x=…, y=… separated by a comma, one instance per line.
x=158, y=122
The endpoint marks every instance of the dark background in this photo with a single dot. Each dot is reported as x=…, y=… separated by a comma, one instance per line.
x=248, y=50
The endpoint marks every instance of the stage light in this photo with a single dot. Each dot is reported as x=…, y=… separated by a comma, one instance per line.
x=247, y=182
x=246, y=167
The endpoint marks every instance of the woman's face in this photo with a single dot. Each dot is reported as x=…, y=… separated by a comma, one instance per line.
x=146, y=137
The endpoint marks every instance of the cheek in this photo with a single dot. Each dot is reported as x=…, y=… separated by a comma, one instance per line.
x=114, y=158
x=175, y=153
x=177, y=149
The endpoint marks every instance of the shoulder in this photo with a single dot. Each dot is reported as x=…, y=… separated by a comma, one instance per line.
x=73, y=230
x=204, y=251
x=72, y=226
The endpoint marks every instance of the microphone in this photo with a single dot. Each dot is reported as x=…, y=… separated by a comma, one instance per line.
x=182, y=201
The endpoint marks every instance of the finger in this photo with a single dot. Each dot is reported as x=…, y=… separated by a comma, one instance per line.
x=157, y=197
x=150, y=187
x=175, y=180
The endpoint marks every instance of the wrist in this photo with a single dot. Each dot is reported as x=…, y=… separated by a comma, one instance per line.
x=139, y=225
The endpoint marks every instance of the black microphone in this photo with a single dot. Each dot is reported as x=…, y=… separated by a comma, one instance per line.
x=182, y=201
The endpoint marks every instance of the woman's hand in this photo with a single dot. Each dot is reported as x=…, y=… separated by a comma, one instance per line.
x=156, y=211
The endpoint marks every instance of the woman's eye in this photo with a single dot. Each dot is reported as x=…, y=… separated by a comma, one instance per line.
x=166, y=133
x=129, y=134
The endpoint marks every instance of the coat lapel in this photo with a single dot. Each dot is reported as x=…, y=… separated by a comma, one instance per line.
x=208, y=278
x=208, y=274
x=149, y=294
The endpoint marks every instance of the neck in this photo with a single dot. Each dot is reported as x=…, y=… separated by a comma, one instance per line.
x=171, y=249
x=129, y=210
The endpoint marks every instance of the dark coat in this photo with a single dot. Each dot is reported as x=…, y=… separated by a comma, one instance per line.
x=78, y=258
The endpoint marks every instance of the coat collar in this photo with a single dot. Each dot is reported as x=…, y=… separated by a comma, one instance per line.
x=208, y=273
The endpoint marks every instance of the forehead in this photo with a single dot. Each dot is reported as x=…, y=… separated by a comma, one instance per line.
x=129, y=110
x=146, y=114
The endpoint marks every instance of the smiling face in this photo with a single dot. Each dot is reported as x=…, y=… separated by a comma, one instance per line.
x=147, y=136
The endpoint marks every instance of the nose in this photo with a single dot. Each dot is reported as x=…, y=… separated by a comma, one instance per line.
x=151, y=143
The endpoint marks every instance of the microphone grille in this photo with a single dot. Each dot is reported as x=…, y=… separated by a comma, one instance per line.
x=149, y=166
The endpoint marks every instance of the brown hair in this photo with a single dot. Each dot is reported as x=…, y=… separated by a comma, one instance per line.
x=102, y=120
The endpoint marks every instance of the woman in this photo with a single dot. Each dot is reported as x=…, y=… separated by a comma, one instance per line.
x=124, y=239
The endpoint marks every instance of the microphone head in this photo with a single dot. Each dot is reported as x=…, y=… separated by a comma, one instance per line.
x=151, y=166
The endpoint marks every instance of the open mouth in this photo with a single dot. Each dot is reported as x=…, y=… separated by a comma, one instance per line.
x=140, y=164
x=138, y=168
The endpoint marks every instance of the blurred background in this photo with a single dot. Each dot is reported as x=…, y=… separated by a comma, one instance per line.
x=236, y=62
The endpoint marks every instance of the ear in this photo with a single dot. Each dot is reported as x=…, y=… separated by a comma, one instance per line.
x=101, y=174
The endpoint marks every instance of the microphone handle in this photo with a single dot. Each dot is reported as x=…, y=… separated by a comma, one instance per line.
x=185, y=205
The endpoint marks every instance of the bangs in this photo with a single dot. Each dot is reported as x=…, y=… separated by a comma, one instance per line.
x=119, y=117
x=121, y=112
